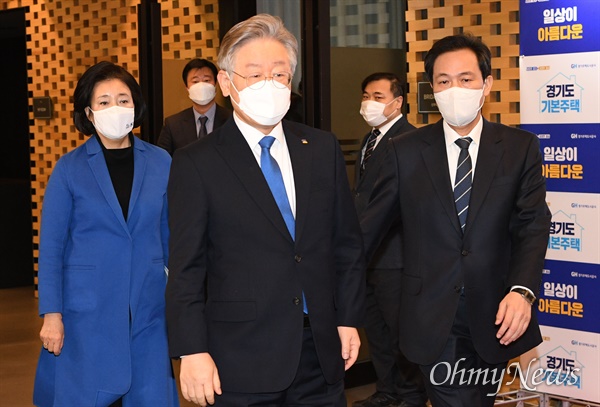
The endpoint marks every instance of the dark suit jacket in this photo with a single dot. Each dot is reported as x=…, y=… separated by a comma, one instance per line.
x=229, y=240
x=389, y=254
x=180, y=129
x=504, y=242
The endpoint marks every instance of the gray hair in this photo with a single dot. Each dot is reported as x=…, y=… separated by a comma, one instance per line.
x=259, y=26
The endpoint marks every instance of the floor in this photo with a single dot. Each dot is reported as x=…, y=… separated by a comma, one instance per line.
x=20, y=347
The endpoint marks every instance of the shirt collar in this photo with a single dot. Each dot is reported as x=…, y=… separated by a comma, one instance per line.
x=254, y=136
x=451, y=136
x=210, y=113
x=384, y=129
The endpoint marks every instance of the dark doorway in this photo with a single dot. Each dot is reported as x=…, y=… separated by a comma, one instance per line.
x=16, y=243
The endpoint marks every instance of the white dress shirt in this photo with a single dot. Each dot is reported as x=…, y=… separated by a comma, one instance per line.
x=453, y=150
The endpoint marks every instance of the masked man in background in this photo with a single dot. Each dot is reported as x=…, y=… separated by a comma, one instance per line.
x=191, y=124
x=399, y=381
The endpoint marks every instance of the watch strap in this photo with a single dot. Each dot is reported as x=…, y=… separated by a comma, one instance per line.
x=529, y=297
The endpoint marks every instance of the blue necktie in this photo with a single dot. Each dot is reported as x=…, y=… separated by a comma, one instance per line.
x=273, y=176
x=463, y=181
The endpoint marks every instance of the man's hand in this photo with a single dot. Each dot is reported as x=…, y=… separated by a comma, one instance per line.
x=350, y=345
x=199, y=379
x=514, y=313
x=53, y=333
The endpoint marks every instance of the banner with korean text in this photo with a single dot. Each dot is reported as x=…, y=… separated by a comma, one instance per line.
x=560, y=102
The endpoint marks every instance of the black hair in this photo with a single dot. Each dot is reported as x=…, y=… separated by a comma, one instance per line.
x=198, y=63
x=82, y=97
x=458, y=42
x=396, y=85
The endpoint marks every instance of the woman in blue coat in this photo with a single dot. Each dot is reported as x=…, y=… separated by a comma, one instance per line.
x=103, y=251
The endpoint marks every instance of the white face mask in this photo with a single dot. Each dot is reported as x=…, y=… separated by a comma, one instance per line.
x=372, y=112
x=202, y=93
x=115, y=122
x=459, y=106
x=267, y=105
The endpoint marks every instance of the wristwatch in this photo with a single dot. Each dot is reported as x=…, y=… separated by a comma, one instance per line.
x=529, y=297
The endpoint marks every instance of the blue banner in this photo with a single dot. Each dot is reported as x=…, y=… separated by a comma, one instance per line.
x=570, y=154
x=559, y=26
x=569, y=296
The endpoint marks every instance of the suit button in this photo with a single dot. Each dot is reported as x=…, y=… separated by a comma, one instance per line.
x=465, y=252
x=357, y=194
x=298, y=258
x=457, y=289
x=296, y=301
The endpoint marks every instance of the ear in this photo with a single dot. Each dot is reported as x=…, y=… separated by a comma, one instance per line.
x=399, y=101
x=89, y=114
x=487, y=87
x=224, y=83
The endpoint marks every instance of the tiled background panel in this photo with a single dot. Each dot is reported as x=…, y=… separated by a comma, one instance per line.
x=494, y=21
x=67, y=37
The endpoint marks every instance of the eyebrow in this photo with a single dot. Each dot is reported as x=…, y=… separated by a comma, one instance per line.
x=459, y=74
x=108, y=95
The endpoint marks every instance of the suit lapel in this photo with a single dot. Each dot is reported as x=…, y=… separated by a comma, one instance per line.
x=436, y=161
x=375, y=160
x=139, y=169
x=189, y=130
x=97, y=163
x=234, y=149
x=357, y=177
x=301, y=158
x=489, y=156
x=221, y=116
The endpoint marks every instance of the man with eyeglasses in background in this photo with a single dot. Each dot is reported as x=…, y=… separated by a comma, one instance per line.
x=267, y=283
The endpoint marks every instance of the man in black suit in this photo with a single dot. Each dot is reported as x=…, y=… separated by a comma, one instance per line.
x=267, y=282
x=200, y=79
x=399, y=381
x=470, y=197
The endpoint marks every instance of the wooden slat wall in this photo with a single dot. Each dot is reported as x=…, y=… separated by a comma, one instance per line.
x=65, y=37
x=496, y=22
x=68, y=36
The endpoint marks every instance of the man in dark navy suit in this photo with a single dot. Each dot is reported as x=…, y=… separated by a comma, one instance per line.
x=470, y=199
x=399, y=381
x=267, y=283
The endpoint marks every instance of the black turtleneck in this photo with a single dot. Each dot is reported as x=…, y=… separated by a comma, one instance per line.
x=120, y=167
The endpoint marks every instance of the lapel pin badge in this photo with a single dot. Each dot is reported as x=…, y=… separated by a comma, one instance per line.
x=304, y=141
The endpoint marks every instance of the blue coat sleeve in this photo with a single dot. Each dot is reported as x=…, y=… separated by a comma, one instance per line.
x=56, y=217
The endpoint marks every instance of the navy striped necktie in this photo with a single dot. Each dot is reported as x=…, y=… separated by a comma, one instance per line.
x=463, y=181
x=369, y=150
